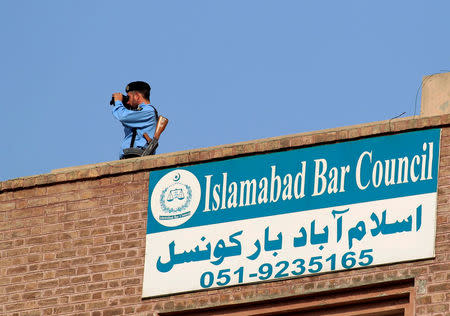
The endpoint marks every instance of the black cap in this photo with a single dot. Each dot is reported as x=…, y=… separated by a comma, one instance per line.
x=138, y=86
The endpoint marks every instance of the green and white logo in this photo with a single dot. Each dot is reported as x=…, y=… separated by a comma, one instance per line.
x=175, y=198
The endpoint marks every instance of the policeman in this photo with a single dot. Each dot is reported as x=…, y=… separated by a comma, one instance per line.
x=137, y=116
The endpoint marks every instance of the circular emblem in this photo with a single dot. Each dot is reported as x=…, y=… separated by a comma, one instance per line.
x=175, y=198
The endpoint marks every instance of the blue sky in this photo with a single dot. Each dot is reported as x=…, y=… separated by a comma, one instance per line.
x=221, y=71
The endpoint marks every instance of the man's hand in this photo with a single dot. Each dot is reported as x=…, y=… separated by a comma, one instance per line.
x=117, y=96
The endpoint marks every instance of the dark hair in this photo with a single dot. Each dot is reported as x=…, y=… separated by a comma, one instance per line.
x=145, y=93
x=140, y=86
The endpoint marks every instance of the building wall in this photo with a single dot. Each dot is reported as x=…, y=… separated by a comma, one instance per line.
x=73, y=241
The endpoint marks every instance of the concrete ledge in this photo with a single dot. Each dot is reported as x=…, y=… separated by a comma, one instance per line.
x=226, y=151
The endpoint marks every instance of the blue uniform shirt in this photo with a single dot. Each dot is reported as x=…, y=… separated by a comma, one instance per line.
x=144, y=121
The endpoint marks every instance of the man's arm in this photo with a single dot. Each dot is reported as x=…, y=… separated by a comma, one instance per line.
x=134, y=119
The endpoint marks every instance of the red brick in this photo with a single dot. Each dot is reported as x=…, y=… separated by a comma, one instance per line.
x=100, y=231
x=48, y=302
x=72, y=216
x=80, y=297
x=97, y=286
x=14, y=288
x=97, y=305
x=82, y=205
x=113, y=275
x=438, y=308
x=26, y=213
x=443, y=287
x=6, y=206
x=113, y=293
x=111, y=312
x=66, y=254
x=81, y=279
x=17, y=270
x=132, y=263
x=100, y=249
x=48, y=284
x=37, y=201
x=15, y=306
x=440, y=267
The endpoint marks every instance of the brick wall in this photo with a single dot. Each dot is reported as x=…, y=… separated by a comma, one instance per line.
x=72, y=242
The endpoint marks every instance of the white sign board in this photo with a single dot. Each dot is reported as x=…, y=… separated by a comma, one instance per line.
x=313, y=210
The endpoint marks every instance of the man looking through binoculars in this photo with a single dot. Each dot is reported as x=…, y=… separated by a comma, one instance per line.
x=136, y=114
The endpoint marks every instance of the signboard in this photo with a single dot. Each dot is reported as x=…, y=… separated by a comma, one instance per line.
x=294, y=213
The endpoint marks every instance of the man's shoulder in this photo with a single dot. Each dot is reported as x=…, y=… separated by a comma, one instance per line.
x=147, y=107
x=148, y=110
